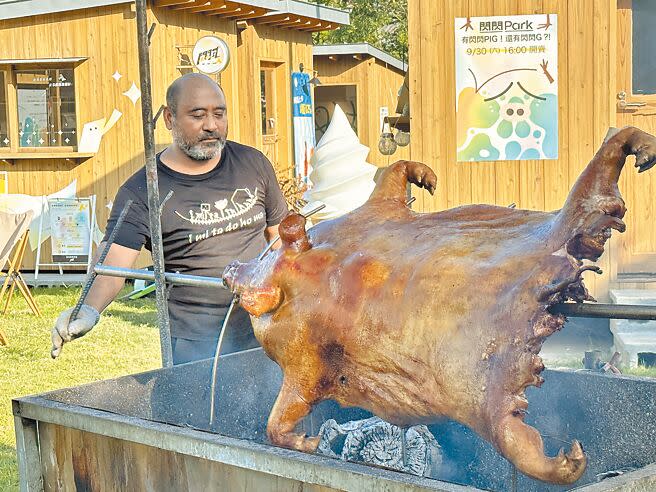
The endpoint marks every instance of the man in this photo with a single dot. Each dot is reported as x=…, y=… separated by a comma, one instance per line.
x=226, y=205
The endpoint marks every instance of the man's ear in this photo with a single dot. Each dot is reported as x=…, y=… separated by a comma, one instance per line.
x=168, y=118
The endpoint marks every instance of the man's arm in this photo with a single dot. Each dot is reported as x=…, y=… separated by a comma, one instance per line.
x=270, y=233
x=102, y=293
x=104, y=288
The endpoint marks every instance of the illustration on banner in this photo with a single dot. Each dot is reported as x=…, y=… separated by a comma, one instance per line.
x=507, y=87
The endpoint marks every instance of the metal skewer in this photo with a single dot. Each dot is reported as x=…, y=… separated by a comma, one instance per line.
x=91, y=276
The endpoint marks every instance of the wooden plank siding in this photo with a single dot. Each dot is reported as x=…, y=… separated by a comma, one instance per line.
x=286, y=49
x=377, y=85
x=107, y=36
x=586, y=74
x=76, y=460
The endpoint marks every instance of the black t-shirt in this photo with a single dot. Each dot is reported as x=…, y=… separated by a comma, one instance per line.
x=210, y=220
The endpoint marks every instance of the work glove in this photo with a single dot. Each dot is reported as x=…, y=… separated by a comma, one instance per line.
x=63, y=331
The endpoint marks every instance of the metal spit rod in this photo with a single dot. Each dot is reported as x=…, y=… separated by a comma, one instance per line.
x=574, y=310
x=170, y=278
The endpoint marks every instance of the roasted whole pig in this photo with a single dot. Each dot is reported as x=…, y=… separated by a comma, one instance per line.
x=417, y=316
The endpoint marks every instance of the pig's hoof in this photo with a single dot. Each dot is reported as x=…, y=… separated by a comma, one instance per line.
x=295, y=441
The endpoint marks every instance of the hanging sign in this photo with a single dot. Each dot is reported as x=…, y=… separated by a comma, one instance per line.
x=70, y=227
x=507, y=87
x=304, y=136
x=211, y=54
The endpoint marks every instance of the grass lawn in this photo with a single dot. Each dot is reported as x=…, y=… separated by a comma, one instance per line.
x=126, y=341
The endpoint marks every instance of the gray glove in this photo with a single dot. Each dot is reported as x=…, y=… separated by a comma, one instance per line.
x=64, y=331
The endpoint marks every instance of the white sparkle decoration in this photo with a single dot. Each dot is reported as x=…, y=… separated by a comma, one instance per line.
x=117, y=75
x=133, y=93
x=110, y=205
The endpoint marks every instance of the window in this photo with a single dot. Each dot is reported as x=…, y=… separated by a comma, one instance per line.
x=644, y=40
x=46, y=107
x=4, y=127
x=37, y=108
x=326, y=98
x=266, y=100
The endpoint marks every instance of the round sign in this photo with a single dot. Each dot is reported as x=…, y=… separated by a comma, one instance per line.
x=211, y=54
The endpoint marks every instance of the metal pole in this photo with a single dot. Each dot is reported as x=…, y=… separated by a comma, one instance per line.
x=613, y=311
x=153, y=187
x=171, y=278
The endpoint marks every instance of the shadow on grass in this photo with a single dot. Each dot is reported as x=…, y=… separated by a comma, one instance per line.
x=8, y=468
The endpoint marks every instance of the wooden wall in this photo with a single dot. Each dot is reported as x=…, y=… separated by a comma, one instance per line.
x=287, y=49
x=107, y=36
x=377, y=85
x=586, y=92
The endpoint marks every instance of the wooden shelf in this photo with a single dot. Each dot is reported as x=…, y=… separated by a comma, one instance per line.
x=76, y=156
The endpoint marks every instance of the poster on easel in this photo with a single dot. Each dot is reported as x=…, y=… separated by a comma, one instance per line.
x=70, y=229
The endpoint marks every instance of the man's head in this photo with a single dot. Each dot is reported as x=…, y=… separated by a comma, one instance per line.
x=197, y=116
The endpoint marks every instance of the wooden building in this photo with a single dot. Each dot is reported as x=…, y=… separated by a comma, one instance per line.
x=71, y=62
x=365, y=82
x=605, y=58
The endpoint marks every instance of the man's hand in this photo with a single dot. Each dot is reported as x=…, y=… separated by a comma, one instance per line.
x=63, y=331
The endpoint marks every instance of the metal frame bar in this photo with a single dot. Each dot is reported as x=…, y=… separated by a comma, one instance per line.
x=154, y=206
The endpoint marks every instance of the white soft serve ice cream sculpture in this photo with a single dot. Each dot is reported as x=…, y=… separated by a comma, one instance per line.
x=343, y=179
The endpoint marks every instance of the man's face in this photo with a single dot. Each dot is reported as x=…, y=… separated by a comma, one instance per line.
x=200, y=124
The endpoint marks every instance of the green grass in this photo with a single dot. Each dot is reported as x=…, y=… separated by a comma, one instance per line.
x=126, y=341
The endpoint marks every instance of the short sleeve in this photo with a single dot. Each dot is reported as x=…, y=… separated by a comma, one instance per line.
x=274, y=201
x=134, y=231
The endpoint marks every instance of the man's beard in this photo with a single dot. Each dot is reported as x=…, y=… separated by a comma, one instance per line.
x=199, y=150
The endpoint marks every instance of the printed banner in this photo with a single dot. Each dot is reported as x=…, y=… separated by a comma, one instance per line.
x=70, y=220
x=507, y=87
x=304, y=137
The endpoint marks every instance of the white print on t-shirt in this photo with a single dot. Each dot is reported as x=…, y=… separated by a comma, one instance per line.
x=224, y=217
x=242, y=200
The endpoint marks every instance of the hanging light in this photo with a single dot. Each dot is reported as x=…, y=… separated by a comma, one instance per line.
x=386, y=144
x=402, y=138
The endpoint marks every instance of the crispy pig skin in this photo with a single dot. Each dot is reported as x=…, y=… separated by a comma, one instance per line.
x=418, y=316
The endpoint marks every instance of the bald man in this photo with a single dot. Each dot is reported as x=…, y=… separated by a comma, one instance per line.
x=226, y=205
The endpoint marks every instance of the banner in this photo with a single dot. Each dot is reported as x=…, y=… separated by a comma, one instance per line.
x=70, y=221
x=303, y=117
x=507, y=87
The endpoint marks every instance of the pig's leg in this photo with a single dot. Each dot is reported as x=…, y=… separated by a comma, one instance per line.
x=287, y=412
x=392, y=183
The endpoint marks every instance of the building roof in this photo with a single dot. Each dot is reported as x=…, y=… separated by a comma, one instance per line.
x=359, y=49
x=291, y=14
x=12, y=9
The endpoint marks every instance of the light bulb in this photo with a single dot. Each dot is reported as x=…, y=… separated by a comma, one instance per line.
x=386, y=144
x=402, y=138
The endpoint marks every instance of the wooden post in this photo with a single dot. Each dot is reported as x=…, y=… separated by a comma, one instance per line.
x=27, y=452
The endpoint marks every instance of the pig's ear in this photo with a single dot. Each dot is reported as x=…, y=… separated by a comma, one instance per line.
x=261, y=300
x=292, y=233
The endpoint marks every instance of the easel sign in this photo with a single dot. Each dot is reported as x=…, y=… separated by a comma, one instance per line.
x=71, y=225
